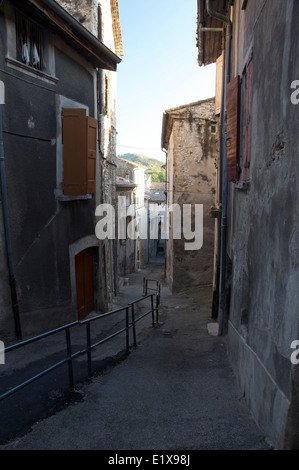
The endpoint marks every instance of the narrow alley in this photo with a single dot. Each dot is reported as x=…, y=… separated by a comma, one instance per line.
x=176, y=390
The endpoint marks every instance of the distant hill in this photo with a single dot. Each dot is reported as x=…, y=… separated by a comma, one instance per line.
x=154, y=167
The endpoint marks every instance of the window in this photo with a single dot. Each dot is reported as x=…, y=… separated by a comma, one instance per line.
x=239, y=98
x=79, y=138
x=29, y=43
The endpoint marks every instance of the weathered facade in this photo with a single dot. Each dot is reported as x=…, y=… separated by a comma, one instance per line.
x=189, y=135
x=125, y=187
x=50, y=134
x=157, y=219
x=101, y=17
x=132, y=250
x=260, y=220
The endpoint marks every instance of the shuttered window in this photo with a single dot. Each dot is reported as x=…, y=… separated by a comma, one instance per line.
x=233, y=129
x=79, y=152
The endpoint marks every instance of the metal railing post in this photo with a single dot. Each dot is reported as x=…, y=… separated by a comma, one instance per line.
x=127, y=330
x=88, y=344
x=70, y=359
x=153, y=310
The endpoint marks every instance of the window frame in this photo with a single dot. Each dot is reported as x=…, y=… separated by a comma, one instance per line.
x=31, y=28
x=48, y=72
x=61, y=103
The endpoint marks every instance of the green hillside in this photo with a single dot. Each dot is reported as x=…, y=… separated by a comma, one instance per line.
x=154, y=167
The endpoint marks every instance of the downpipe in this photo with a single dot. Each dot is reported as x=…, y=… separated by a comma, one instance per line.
x=222, y=256
x=220, y=190
x=12, y=280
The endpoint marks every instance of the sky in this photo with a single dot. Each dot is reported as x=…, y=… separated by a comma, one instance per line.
x=158, y=71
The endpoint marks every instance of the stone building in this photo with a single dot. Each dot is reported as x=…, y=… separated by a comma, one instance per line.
x=50, y=181
x=189, y=134
x=130, y=184
x=259, y=303
x=125, y=187
x=101, y=17
x=157, y=219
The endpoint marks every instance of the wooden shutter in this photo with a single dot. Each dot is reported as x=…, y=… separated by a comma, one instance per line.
x=248, y=99
x=74, y=151
x=233, y=131
x=91, y=154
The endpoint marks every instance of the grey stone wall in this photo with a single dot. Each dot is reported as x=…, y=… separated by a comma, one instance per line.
x=264, y=222
x=192, y=175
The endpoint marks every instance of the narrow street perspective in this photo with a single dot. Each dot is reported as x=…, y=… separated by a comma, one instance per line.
x=149, y=226
x=176, y=390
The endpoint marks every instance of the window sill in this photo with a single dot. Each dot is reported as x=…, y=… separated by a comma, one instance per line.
x=63, y=198
x=15, y=64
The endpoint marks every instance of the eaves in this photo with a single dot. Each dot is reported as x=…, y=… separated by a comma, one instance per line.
x=210, y=32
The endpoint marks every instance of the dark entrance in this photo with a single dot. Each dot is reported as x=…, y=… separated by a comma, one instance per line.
x=84, y=262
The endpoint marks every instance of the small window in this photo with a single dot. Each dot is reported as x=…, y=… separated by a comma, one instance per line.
x=213, y=129
x=29, y=43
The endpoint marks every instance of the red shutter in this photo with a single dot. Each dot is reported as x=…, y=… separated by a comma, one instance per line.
x=74, y=152
x=248, y=99
x=91, y=154
x=233, y=129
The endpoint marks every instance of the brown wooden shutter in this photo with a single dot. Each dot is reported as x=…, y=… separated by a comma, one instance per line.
x=74, y=152
x=91, y=154
x=248, y=99
x=233, y=117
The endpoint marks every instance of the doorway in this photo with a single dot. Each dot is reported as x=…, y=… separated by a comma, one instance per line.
x=84, y=267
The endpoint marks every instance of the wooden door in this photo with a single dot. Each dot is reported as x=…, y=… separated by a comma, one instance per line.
x=84, y=282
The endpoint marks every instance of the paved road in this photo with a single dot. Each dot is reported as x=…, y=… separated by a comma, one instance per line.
x=175, y=391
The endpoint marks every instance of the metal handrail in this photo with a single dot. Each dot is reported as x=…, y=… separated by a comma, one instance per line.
x=156, y=289
x=89, y=347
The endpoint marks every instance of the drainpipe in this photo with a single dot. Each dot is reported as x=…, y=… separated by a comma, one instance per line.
x=228, y=24
x=220, y=184
x=12, y=281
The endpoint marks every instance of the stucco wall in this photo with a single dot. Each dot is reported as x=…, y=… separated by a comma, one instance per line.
x=42, y=227
x=264, y=219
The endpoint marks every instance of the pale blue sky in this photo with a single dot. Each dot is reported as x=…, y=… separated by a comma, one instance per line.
x=158, y=71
